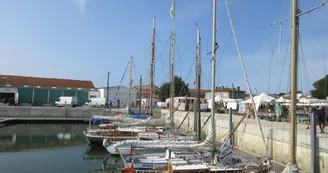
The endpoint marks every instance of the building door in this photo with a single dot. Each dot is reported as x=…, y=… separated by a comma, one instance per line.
x=7, y=98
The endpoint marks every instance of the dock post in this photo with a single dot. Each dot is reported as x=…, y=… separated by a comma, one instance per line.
x=230, y=124
x=313, y=137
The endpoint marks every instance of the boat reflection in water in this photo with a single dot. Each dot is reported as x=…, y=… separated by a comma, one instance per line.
x=109, y=163
x=40, y=136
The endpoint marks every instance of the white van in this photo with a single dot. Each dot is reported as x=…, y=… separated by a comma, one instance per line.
x=96, y=102
x=66, y=100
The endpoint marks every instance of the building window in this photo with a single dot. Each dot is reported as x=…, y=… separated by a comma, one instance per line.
x=93, y=96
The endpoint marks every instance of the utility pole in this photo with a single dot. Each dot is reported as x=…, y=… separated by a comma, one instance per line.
x=140, y=92
x=198, y=80
x=107, y=95
x=152, y=67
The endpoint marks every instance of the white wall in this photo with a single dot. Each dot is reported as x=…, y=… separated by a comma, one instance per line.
x=122, y=94
x=94, y=93
x=8, y=90
x=224, y=95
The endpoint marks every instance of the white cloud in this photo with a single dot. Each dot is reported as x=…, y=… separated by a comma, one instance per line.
x=82, y=5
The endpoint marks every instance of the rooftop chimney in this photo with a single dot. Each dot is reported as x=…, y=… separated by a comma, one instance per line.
x=238, y=88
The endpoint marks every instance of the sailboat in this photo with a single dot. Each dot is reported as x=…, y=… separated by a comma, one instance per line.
x=176, y=138
x=182, y=163
x=112, y=132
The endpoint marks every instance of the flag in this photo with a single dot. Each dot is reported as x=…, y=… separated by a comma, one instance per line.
x=172, y=11
x=194, y=82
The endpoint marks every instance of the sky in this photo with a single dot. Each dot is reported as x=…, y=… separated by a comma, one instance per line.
x=86, y=39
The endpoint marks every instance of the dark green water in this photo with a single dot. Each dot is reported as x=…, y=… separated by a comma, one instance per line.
x=51, y=148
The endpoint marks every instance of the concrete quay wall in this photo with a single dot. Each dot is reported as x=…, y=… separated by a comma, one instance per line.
x=48, y=112
x=55, y=112
x=276, y=137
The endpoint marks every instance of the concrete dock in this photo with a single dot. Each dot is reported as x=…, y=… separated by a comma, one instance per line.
x=276, y=135
x=247, y=136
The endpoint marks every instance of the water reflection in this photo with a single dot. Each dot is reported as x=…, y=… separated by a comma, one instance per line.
x=109, y=163
x=37, y=136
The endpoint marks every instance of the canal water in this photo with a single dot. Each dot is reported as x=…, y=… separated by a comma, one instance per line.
x=55, y=148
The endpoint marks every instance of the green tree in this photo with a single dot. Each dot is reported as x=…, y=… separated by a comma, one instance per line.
x=281, y=94
x=319, y=90
x=181, y=88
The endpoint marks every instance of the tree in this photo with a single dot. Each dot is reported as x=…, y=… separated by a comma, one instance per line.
x=319, y=90
x=180, y=88
x=281, y=94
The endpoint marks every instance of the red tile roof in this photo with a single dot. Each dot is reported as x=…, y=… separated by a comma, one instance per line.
x=37, y=81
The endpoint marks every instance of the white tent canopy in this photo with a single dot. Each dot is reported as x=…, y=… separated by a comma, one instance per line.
x=282, y=100
x=260, y=99
x=217, y=99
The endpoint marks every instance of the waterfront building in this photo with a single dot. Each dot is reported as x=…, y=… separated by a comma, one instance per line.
x=40, y=91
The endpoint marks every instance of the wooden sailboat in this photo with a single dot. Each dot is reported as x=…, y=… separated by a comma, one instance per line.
x=190, y=161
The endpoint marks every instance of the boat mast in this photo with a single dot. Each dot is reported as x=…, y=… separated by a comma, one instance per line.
x=130, y=83
x=152, y=67
x=107, y=93
x=172, y=64
x=140, y=91
x=294, y=56
x=198, y=80
x=214, y=47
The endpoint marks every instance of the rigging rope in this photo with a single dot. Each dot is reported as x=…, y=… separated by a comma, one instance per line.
x=270, y=71
x=307, y=83
x=180, y=55
x=279, y=51
x=245, y=75
x=118, y=88
x=283, y=66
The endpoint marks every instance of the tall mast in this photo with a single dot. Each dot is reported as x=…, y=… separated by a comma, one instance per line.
x=172, y=63
x=130, y=83
x=198, y=80
x=107, y=92
x=140, y=91
x=152, y=67
x=214, y=47
x=294, y=52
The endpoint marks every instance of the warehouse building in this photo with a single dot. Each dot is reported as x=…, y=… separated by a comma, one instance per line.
x=118, y=92
x=39, y=91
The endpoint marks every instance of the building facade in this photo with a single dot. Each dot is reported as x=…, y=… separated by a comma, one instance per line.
x=227, y=93
x=118, y=92
x=194, y=92
x=39, y=91
x=145, y=89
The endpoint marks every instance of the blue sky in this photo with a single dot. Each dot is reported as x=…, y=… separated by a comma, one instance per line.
x=84, y=39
